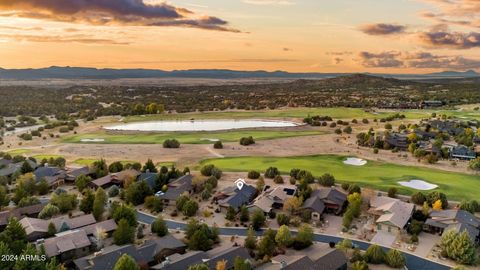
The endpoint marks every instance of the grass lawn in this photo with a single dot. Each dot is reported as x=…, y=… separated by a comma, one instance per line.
x=85, y=161
x=338, y=113
x=187, y=137
x=18, y=152
x=41, y=157
x=90, y=161
x=376, y=175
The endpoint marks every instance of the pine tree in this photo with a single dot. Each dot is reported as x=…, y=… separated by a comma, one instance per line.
x=99, y=203
x=159, y=227
x=375, y=254
x=124, y=234
x=395, y=259
x=251, y=240
x=14, y=235
x=51, y=229
x=126, y=262
x=230, y=213
x=283, y=237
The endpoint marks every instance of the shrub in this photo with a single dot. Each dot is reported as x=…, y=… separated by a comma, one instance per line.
x=278, y=179
x=283, y=219
x=247, y=141
x=392, y=192
x=171, y=143
x=218, y=145
x=345, y=186
x=375, y=254
x=113, y=191
x=154, y=204
x=326, y=180
x=418, y=198
x=271, y=172
x=253, y=174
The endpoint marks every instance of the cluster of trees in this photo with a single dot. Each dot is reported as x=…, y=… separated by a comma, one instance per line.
x=458, y=247
x=272, y=243
x=317, y=120
x=126, y=218
x=211, y=170
x=374, y=255
x=243, y=215
x=199, y=236
x=82, y=102
x=474, y=164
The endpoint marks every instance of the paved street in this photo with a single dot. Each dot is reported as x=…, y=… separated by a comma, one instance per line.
x=413, y=262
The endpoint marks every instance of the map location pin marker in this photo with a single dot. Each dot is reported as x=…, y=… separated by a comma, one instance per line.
x=240, y=184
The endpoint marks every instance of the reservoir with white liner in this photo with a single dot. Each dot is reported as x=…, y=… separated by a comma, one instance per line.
x=200, y=125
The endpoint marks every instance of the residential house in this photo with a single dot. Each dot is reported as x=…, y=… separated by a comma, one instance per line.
x=226, y=254
x=177, y=188
x=234, y=197
x=149, y=253
x=54, y=176
x=431, y=103
x=181, y=261
x=210, y=258
x=116, y=179
x=392, y=215
x=452, y=128
x=106, y=226
x=150, y=178
x=73, y=173
x=271, y=199
x=38, y=228
x=397, y=140
x=463, y=152
x=19, y=213
x=315, y=257
x=156, y=250
x=8, y=168
x=66, y=245
x=330, y=200
x=458, y=220
x=106, y=258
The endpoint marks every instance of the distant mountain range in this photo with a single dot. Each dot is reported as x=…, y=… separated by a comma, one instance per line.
x=55, y=72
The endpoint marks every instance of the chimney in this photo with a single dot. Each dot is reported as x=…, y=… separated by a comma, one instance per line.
x=147, y=171
x=283, y=265
x=45, y=165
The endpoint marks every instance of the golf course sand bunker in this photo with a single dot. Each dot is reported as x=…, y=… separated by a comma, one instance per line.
x=355, y=161
x=418, y=185
x=92, y=140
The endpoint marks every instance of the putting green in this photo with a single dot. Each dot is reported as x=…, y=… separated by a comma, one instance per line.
x=378, y=175
x=187, y=137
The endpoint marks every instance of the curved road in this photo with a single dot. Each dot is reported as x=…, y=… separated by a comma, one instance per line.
x=412, y=261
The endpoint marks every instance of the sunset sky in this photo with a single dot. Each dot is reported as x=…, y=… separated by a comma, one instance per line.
x=391, y=36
